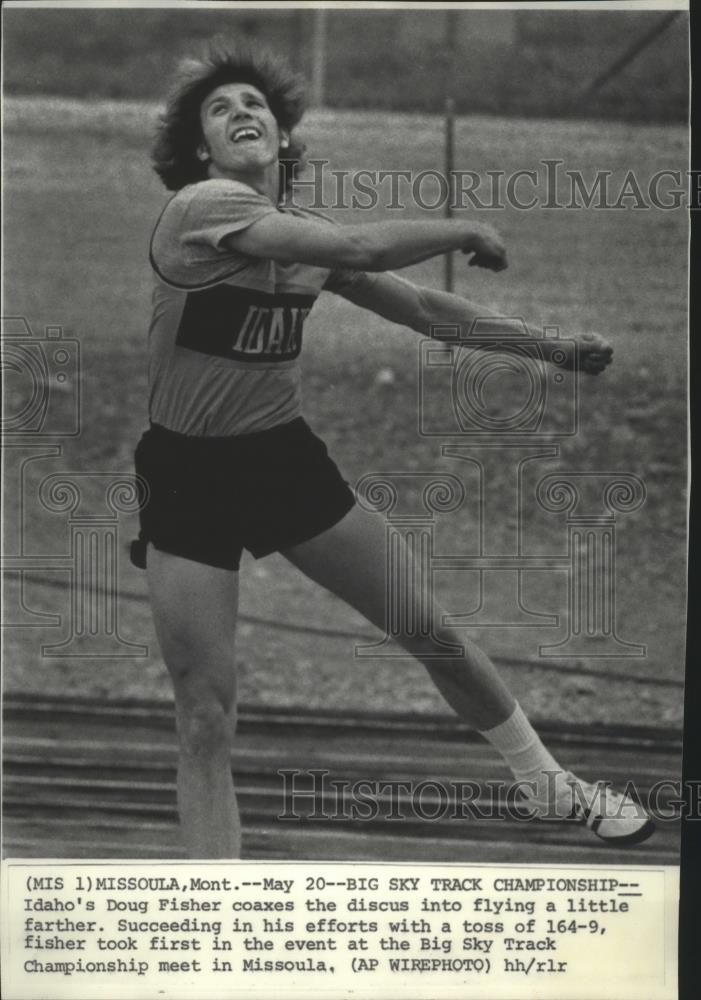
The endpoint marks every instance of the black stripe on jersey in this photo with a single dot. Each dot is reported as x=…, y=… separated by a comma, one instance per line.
x=243, y=324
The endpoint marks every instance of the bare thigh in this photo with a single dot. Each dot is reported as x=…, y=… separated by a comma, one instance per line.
x=350, y=560
x=194, y=609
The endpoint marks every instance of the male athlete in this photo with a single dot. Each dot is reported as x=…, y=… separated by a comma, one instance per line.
x=232, y=464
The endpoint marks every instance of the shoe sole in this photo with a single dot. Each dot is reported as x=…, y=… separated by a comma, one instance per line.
x=629, y=839
x=623, y=840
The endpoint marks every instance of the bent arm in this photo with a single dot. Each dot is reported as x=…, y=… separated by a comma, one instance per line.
x=373, y=246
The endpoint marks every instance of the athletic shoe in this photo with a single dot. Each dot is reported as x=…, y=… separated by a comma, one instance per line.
x=617, y=819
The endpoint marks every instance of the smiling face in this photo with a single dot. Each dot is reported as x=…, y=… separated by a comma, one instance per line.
x=241, y=135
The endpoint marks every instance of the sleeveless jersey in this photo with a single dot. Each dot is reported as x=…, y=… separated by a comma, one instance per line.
x=226, y=328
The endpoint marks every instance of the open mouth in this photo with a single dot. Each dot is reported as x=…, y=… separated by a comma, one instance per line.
x=246, y=133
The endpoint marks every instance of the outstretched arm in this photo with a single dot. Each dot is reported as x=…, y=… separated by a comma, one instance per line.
x=422, y=309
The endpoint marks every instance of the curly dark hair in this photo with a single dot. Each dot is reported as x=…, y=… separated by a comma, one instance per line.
x=179, y=133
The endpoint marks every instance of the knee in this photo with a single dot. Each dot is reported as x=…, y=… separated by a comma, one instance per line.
x=206, y=724
x=204, y=684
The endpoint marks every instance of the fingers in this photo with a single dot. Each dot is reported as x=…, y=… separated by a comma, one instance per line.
x=596, y=357
x=493, y=262
x=595, y=353
x=487, y=249
x=594, y=364
x=595, y=369
x=595, y=343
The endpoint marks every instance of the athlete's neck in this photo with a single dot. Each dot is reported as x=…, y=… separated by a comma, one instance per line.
x=265, y=181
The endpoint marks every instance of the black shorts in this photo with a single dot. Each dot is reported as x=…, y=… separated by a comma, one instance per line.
x=210, y=498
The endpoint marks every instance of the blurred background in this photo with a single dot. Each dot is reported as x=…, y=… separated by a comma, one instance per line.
x=83, y=89
x=89, y=764
x=532, y=62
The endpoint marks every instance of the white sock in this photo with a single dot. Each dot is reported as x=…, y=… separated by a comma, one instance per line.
x=520, y=746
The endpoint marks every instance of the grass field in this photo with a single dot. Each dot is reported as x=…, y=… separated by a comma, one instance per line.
x=80, y=201
x=504, y=61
